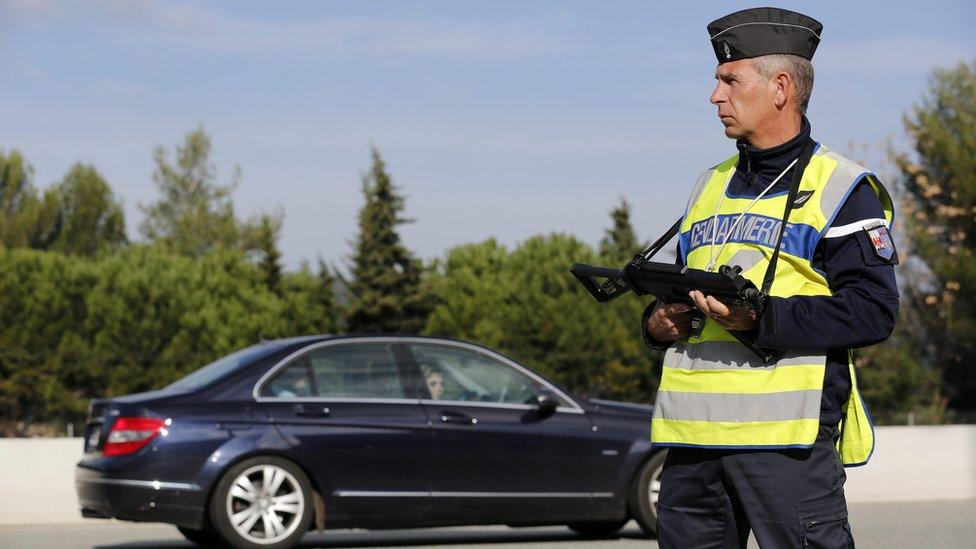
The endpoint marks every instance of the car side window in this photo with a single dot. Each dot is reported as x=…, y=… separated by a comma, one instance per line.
x=339, y=371
x=356, y=371
x=458, y=374
x=292, y=381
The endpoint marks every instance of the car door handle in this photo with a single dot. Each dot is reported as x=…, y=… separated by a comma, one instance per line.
x=449, y=417
x=311, y=410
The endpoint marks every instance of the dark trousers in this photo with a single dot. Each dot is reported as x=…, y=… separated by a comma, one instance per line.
x=788, y=498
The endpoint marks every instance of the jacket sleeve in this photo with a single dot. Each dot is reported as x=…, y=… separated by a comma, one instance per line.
x=864, y=304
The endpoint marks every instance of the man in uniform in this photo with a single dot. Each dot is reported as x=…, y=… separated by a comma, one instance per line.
x=758, y=445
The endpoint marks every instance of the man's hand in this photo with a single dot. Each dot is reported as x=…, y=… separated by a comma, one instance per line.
x=670, y=321
x=740, y=319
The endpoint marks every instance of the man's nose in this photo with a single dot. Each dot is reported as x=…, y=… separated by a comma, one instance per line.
x=718, y=95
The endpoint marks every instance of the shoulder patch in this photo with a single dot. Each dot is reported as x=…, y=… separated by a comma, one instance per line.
x=880, y=238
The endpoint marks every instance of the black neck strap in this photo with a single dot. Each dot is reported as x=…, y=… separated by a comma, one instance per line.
x=801, y=165
x=660, y=242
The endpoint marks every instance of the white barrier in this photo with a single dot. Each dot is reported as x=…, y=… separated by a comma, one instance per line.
x=917, y=464
x=910, y=464
x=38, y=480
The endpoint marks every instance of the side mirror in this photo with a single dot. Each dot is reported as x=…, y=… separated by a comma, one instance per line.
x=547, y=403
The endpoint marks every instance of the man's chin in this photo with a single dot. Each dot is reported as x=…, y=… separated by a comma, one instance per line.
x=732, y=132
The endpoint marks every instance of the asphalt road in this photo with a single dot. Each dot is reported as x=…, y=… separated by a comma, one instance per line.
x=932, y=525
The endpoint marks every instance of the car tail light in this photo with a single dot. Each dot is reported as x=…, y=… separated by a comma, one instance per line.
x=130, y=434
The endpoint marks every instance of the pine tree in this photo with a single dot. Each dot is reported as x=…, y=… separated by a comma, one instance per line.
x=324, y=295
x=625, y=375
x=940, y=213
x=19, y=204
x=266, y=231
x=80, y=215
x=194, y=213
x=387, y=291
x=619, y=242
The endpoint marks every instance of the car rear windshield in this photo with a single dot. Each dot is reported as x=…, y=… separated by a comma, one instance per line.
x=223, y=366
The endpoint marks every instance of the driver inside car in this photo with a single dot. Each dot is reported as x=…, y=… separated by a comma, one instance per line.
x=435, y=382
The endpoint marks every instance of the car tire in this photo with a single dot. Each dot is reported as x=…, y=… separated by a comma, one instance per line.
x=644, y=491
x=204, y=538
x=264, y=501
x=597, y=529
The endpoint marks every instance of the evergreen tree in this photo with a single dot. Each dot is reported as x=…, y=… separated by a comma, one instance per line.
x=619, y=242
x=631, y=377
x=156, y=316
x=80, y=215
x=940, y=210
x=324, y=294
x=266, y=231
x=44, y=373
x=19, y=204
x=194, y=213
x=308, y=303
x=387, y=292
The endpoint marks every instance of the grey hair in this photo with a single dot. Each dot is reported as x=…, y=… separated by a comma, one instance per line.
x=798, y=68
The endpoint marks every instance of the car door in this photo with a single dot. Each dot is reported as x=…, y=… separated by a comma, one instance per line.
x=495, y=457
x=349, y=412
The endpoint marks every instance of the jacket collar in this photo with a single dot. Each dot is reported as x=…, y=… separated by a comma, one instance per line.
x=768, y=163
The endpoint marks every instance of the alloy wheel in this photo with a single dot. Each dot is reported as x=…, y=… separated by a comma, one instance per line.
x=265, y=504
x=654, y=487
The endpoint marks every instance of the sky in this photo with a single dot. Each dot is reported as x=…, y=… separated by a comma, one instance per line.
x=496, y=119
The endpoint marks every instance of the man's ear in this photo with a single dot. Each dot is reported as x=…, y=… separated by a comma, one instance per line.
x=784, y=89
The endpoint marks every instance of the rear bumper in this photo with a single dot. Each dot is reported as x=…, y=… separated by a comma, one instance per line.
x=103, y=496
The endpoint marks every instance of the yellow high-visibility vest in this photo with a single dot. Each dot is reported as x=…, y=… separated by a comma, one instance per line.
x=714, y=392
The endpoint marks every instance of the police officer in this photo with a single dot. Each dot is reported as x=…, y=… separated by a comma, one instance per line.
x=758, y=445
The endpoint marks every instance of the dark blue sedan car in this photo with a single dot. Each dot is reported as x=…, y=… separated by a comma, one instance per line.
x=264, y=444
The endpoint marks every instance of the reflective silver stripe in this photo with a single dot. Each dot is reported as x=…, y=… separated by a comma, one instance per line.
x=730, y=355
x=839, y=182
x=746, y=259
x=699, y=187
x=150, y=484
x=382, y=494
x=737, y=407
x=702, y=184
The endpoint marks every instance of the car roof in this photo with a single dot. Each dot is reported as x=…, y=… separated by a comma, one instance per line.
x=384, y=335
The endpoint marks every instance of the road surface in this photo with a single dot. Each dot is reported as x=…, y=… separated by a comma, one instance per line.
x=933, y=525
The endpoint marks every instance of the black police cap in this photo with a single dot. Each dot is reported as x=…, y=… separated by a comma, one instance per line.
x=764, y=31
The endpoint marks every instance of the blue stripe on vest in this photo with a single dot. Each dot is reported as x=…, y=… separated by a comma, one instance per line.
x=799, y=240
